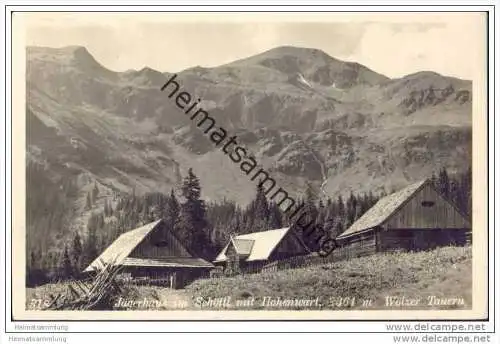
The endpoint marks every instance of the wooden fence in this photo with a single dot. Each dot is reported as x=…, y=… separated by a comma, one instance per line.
x=283, y=264
x=299, y=262
x=340, y=254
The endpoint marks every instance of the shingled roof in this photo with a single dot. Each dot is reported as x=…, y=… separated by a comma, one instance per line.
x=383, y=209
x=122, y=246
x=257, y=246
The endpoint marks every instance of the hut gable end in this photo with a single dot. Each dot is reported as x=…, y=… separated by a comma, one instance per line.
x=152, y=245
x=160, y=243
x=427, y=209
x=290, y=245
x=263, y=246
x=418, y=206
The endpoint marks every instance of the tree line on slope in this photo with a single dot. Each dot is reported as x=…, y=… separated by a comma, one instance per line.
x=204, y=228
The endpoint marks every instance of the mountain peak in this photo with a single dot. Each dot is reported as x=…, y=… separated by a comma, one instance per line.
x=285, y=51
x=146, y=76
x=71, y=50
x=74, y=56
x=75, y=49
x=314, y=65
x=292, y=50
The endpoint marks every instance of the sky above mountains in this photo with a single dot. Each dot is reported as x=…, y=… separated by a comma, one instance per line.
x=392, y=44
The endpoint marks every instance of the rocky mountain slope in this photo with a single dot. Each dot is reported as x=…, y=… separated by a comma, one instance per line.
x=306, y=116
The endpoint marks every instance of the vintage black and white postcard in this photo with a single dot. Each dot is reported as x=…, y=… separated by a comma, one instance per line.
x=249, y=166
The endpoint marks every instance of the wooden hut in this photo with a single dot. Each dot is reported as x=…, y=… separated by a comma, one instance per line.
x=251, y=252
x=152, y=253
x=415, y=218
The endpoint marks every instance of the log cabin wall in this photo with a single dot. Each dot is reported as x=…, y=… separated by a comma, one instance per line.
x=421, y=239
x=394, y=240
x=357, y=246
x=147, y=275
x=426, y=220
x=288, y=247
x=427, y=209
x=178, y=277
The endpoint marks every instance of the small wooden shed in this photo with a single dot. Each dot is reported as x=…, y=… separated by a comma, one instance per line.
x=415, y=218
x=152, y=254
x=251, y=252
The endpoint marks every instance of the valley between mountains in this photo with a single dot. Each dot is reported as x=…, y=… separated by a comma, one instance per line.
x=310, y=119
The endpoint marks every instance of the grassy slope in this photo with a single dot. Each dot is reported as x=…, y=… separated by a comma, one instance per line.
x=444, y=272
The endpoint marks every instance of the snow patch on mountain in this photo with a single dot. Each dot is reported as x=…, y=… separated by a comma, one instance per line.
x=303, y=80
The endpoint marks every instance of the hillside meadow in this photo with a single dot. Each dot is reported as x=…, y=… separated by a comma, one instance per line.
x=435, y=279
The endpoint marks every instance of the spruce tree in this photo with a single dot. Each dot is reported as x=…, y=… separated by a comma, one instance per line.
x=455, y=194
x=33, y=260
x=90, y=249
x=321, y=217
x=66, y=266
x=341, y=211
x=31, y=270
x=258, y=213
x=352, y=203
x=192, y=221
x=444, y=183
x=171, y=211
x=330, y=218
x=107, y=208
x=275, y=217
x=88, y=202
x=95, y=193
x=434, y=179
x=339, y=228
x=77, y=251
x=308, y=220
x=466, y=190
x=261, y=206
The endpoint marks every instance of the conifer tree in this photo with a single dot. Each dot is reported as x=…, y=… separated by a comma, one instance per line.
x=444, y=183
x=88, y=202
x=192, y=221
x=434, y=179
x=66, y=266
x=107, y=208
x=90, y=249
x=308, y=219
x=275, y=217
x=330, y=217
x=352, y=203
x=339, y=228
x=258, y=212
x=466, y=189
x=95, y=193
x=455, y=193
x=321, y=217
x=171, y=211
x=77, y=251
x=30, y=270
x=261, y=204
x=341, y=212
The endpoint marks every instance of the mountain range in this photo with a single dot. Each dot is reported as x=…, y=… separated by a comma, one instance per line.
x=310, y=119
